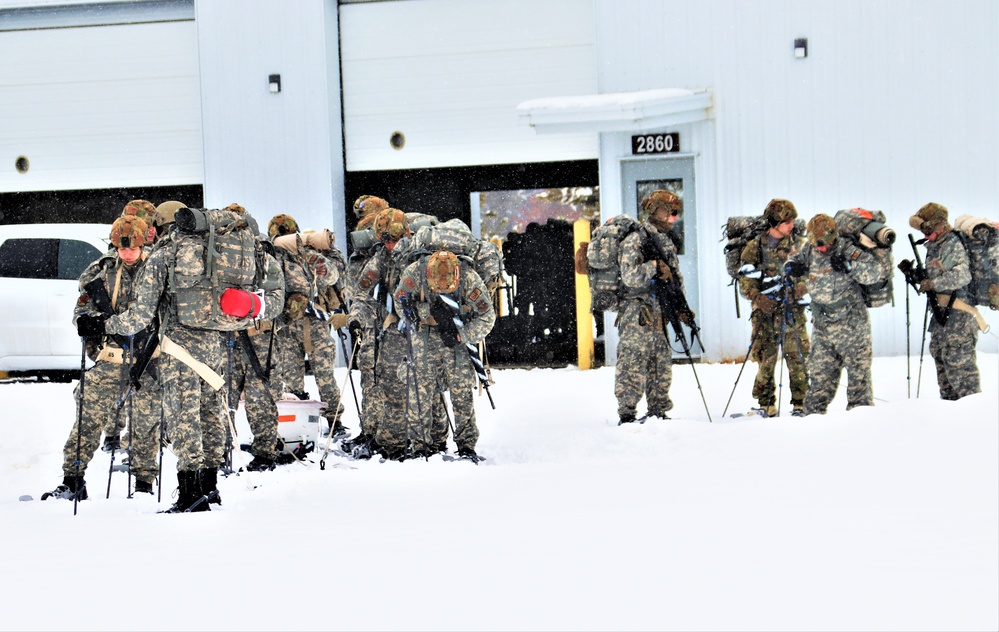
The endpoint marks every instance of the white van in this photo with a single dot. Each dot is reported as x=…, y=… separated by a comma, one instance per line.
x=40, y=267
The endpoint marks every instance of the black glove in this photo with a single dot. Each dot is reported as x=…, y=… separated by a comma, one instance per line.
x=795, y=269
x=355, y=329
x=649, y=250
x=88, y=326
x=840, y=263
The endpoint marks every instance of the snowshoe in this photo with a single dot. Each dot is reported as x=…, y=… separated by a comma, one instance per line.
x=143, y=487
x=260, y=464
x=72, y=488
x=111, y=444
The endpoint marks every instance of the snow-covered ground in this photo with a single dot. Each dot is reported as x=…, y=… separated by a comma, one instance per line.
x=884, y=518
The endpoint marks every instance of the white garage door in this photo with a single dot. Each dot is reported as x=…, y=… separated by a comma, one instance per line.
x=100, y=107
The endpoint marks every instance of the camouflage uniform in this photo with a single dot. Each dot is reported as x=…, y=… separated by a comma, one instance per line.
x=304, y=331
x=952, y=346
x=260, y=397
x=785, y=326
x=644, y=357
x=106, y=380
x=192, y=406
x=385, y=400
x=841, y=335
x=438, y=366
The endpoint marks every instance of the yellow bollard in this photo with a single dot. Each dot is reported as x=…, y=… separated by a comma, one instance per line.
x=584, y=318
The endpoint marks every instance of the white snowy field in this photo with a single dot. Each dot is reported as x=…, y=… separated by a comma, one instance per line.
x=885, y=518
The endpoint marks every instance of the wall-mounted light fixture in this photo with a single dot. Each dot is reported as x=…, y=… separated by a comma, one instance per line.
x=800, y=48
x=274, y=83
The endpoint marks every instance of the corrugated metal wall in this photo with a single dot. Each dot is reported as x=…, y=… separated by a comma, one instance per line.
x=449, y=74
x=894, y=106
x=100, y=107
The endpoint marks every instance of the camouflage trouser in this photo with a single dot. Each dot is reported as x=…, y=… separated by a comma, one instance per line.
x=102, y=387
x=390, y=396
x=194, y=416
x=366, y=365
x=260, y=399
x=953, y=350
x=767, y=332
x=844, y=343
x=644, y=360
x=309, y=336
x=440, y=368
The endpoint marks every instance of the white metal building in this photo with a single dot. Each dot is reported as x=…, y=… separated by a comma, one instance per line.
x=829, y=103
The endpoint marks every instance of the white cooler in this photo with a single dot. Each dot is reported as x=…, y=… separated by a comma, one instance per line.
x=298, y=421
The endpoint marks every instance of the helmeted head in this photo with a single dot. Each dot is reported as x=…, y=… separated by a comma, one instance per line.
x=282, y=225
x=930, y=218
x=369, y=205
x=128, y=232
x=779, y=211
x=821, y=231
x=660, y=199
x=390, y=226
x=239, y=209
x=166, y=214
x=144, y=210
x=443, y=272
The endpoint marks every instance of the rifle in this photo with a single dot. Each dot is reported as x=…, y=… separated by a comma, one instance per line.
x=915, y=273
x=673, y=304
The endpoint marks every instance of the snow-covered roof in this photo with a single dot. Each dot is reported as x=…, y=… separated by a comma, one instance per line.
x=617, y=111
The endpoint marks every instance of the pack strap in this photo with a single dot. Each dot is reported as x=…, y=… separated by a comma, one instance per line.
x=115, y=355
x=244, y=342
x=204, y=371
x=945, y=299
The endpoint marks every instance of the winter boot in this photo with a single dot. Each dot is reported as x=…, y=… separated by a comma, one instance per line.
x=189, y=496
x=799, y=411
x=468, y=453
x=766, y=410
x=72, y=488
x=143, y=487
x=626, y=419
x=209, y=484
x=339, y=430
x=111, y=443
x=260, y=464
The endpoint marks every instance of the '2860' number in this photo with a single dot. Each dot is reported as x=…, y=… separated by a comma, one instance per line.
x=655, y=143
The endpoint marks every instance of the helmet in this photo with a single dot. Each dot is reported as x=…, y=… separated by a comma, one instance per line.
x=391, y=225
x=143, y=209
x=821, y=230
x=236, y=208
x=443, y=272
x=369, y=205
x=128, y=232
x=660, y=199
x=282, y=225
x=930, y=218
x=779, y=211
x=165, y=213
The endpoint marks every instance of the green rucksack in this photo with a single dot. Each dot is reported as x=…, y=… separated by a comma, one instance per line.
x=980, y=237
x=851, y=223
x=602, y=269
x=211, y=251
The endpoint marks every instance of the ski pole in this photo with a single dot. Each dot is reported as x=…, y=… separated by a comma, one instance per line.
x=908, y=336
x=343, y=345
x=129, y=418
x=121, y=380
x=752, y=339
x=336, y=415
x=922, y=347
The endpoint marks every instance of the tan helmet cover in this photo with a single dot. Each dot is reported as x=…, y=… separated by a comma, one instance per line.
x=443, y=272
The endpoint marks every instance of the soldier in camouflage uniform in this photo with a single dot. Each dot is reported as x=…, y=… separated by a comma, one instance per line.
x=948, y=272
x=778, y=318
x=440, y=357
x=253, y=363
x=644, y=357
x=105, y=382
x=189, y=367
x=372, y=317
x=833, y=269
x=304, y=331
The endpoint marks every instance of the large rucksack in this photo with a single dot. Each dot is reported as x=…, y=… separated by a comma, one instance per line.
x=456, y=237
x=602, y=269
x=212, y=251
x=854, y=222
x=980, y=237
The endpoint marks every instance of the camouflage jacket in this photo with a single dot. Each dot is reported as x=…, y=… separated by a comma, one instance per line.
x=637, y=272
x=475, y=305
x=119, y=281
x=947, y=265
x=834, y=293
x=767, y=255
x=303, y=285
x=372, y=302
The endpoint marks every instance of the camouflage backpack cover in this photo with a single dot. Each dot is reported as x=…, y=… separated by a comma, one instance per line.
x=980, y=237
x=739, y=230
x=456, y=237
x=362, y=240
x=212, y=251
x=851, y=224
x=602, y=269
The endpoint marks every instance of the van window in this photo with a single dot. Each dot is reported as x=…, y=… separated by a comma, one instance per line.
x=47, y=258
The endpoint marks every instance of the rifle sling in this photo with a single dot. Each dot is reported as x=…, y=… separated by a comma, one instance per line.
x=949, y=301
x=244, y=343
x=204, y=371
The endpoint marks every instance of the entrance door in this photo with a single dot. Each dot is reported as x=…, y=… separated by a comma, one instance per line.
x=640, y=177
